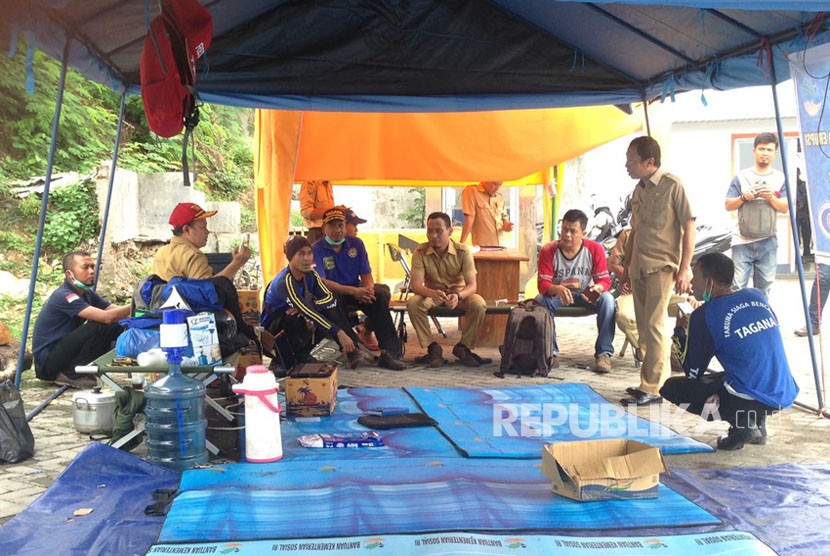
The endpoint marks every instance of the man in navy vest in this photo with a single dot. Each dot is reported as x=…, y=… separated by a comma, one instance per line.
x=742, y=332
x=75, y=326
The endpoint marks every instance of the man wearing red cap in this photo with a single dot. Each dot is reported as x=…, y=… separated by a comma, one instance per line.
x=183, y=255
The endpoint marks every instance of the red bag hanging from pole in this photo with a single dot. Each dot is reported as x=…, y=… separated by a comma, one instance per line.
x=176, y=39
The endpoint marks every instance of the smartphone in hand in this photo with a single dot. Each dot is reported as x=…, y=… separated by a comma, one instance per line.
x=244, y=242
x=685, y=308
x=591, y=295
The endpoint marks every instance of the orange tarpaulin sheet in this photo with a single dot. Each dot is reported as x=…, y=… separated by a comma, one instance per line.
x=465, y=146
x=434, y=149
x=277, y=134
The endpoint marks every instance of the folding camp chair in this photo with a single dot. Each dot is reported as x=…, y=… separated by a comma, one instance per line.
x=398, y=255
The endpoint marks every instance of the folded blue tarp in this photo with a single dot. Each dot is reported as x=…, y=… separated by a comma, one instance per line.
x=516, y=421
x=115, y=485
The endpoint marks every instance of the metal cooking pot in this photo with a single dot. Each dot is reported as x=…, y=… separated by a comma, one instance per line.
x=92, y=411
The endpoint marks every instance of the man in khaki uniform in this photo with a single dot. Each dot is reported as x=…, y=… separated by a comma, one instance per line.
x=183, y=255
x=661, y=245
x=444, y=274
x=484, y=214
x=625, y=318
x=316, y=197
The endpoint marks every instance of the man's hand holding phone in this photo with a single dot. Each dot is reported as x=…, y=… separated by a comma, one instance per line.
x=242, y=251
x=591, y=294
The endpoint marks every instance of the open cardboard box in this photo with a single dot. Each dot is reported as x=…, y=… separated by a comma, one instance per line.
x=608, y=469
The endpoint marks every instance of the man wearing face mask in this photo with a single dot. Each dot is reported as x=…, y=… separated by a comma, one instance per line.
x=343, y=265
x=741, y=331
x=75, y=325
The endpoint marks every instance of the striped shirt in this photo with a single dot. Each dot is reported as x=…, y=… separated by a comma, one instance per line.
x=308, y=296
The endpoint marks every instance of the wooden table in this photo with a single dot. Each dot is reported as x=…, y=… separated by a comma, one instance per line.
x=497, y=278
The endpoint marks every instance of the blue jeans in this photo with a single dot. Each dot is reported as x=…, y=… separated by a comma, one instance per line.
x=823, y=280
x=758, y=258
x=604, y=308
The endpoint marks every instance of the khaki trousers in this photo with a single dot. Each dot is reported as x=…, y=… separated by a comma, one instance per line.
x=626, y=321
x=474, y=308
x=652, y=293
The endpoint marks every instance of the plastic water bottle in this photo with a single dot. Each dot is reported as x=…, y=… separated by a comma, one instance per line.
x=263, y=438
x=176, y=424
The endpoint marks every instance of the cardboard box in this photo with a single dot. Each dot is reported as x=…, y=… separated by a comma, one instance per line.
x=204, y=338
x=246, y=360
x=250, y=305
x=603, y=469
x=311, y=389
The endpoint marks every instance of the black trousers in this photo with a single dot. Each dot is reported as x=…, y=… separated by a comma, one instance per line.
x=805, y=232
x=80, y=347
x=300, y=339
x=378, y=318
x=736, y=411
x=230, y=301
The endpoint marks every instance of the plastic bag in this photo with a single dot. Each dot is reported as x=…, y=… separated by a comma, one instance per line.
x=133, y=341
x=16, y=440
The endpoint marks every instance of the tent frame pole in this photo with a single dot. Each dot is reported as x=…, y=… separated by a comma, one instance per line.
x=43, y=205
x=113, y=166
x=822, y=411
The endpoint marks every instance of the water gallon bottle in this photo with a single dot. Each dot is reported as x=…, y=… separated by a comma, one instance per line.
x=263, y=439
x=176, y=424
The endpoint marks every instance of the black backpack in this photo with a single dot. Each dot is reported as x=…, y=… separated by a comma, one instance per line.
x=528, y=341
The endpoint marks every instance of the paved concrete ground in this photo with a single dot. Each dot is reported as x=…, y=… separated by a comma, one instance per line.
x=796, y=435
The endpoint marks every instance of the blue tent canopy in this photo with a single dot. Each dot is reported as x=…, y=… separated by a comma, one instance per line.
x=441, y=55
x=436, y=55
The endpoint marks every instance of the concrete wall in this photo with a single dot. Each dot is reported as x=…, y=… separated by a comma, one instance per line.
x=141, y=205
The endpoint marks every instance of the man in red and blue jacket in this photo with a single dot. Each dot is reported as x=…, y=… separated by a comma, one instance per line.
x=573, y=271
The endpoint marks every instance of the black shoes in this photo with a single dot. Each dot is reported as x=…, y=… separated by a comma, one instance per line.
x=389, y=361
x=354, y=359
x=434, y=357
x=638, y=397
x=80, y=382
x=736, y=438
x=468, y=358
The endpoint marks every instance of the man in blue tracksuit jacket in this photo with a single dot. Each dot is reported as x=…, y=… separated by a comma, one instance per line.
x=741, y=331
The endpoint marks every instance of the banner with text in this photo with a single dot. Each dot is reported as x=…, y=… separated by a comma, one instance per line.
x=810, y=70
x=723, y=543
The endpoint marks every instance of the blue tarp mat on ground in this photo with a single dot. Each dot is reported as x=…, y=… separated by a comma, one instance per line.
x=516, y=421
x=351, y=404
x=456, y=543
x=787, y=506
x=116, y=485
x=340, y=498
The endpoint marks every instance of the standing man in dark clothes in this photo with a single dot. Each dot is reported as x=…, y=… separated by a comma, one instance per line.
x=802, y=215
x=75, y=326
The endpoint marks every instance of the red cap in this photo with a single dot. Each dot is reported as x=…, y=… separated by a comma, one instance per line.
x=185, y=213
